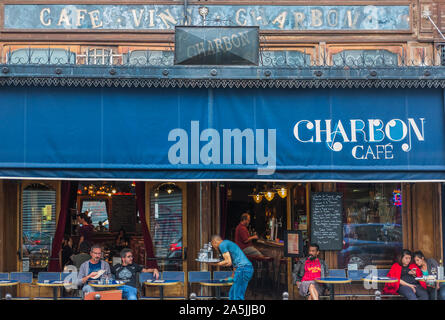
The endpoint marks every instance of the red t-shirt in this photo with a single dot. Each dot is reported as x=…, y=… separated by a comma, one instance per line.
x=312, y=270
x=241, y=236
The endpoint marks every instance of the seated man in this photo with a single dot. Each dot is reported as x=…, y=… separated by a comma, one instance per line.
x=308, y=269
x=242, y=238
x=89, y=269
x=126, y=271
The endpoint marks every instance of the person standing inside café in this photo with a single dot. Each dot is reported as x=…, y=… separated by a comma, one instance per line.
x=89, y=269
x=427, y=266
x=86, y=229
x=307, y=270
x=406, y=272
x=127, y=272
x=243, y=239
x=234, y=256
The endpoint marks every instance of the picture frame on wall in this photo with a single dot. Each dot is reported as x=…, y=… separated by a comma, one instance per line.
x=293, y=244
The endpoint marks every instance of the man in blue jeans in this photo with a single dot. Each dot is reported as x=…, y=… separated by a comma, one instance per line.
x=243, y=268
x=126, y=272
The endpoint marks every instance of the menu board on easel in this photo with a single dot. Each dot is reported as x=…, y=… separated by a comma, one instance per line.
x=123, y=213
x=326, y=220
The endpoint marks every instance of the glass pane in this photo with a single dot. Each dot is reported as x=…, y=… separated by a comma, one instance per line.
x=166, y=225
x=97, y=211
x=39, y=226
x=42, y=56
x=372, y=216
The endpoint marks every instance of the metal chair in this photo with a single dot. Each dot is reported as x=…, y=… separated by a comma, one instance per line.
x=197, y=277
x=356, y=275
x=22, y=277
x=382, y=272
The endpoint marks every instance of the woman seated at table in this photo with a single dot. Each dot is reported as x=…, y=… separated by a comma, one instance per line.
x=427, y=266
x=406, y=272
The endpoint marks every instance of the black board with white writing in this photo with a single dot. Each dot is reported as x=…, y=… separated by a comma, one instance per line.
x=326, y=220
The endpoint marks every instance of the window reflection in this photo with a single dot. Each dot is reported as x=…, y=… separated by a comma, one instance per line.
x=372, y=217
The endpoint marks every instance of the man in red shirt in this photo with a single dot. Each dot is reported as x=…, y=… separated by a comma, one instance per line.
x=243, y=239
x=309, y=269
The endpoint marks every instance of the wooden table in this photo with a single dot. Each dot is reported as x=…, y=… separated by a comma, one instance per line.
x=53, y=284
x=217, y=284
x=7, y=283
x=161, y=285
x=333, y=281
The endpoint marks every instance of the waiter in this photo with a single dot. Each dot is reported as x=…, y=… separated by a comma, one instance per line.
x=242, y=267
x=243, y=239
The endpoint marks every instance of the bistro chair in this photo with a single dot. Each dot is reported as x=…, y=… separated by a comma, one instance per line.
x=174, y=275
x=197, y=277
x=4, y=276
x=50, y=276
x=144, y=276
x=220, y=275
x=22, y=277
x=337, y=273
x=382, y=272
x=77, y=293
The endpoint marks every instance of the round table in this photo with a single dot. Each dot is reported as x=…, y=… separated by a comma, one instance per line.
x=53, y=284
x=435, y=281
x=217, y=284
x=6, y=283
x=111, y=284
x=161, y=285
x=333, y=281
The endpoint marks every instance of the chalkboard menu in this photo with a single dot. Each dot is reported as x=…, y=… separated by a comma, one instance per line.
x=123, y=213
x=326, y=220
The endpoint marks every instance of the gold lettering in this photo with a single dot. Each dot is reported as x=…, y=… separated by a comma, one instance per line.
x=80, y=16
x=330, y=14
x=235, y=38
x=237, y=16
x=64, y=18
x=94, y=17
x=167, y=17
x=299, y=18
x=42, y=19
x=152, y=18
x=351, y=22
x=137, y=20
x=244, y=38
x=218, y=44
x=227, y=43
x=316, y=18
x=280, y=19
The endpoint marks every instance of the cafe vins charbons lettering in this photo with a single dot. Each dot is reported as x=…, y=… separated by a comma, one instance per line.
x=166, y=17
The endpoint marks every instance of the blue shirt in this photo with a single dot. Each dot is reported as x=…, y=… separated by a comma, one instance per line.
x=93, y=267
x=238, y=257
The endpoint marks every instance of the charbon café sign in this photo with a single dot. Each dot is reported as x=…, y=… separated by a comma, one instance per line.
x=166, y=17
x=216, y=45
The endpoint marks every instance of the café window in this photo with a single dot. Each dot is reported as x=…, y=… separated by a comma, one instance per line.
x=38, y=226
x=372, y=224
x=166, y=225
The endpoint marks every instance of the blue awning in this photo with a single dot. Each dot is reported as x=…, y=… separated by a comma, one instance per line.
x=222, y=134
